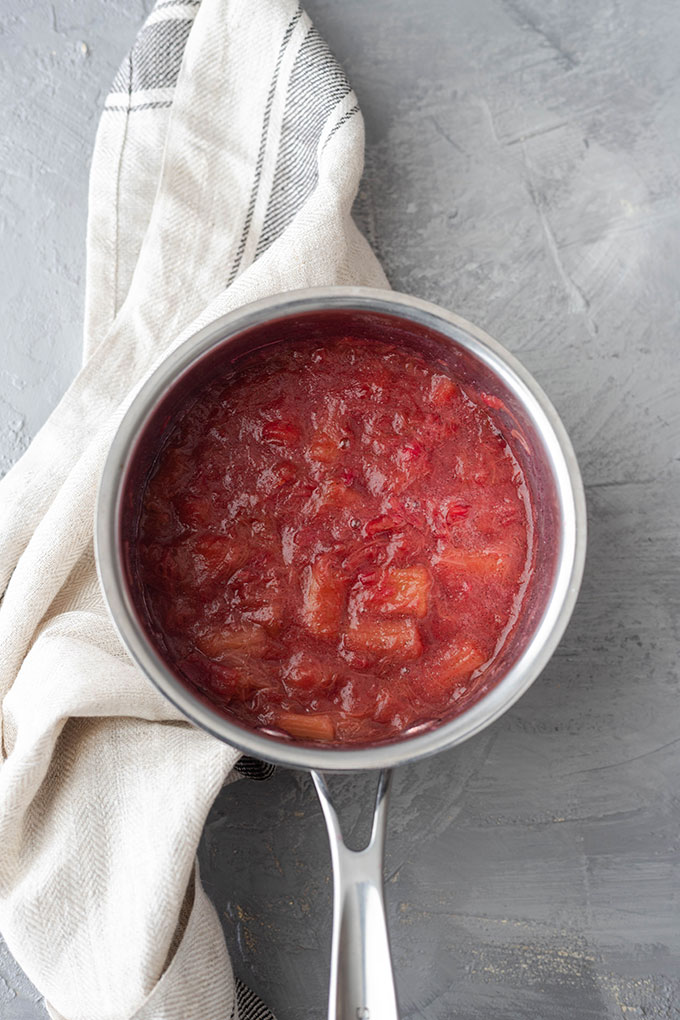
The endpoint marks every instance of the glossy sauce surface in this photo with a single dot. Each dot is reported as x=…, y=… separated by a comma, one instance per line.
x=334, y=542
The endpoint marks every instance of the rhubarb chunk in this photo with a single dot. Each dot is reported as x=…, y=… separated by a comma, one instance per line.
x=324, y=597
x=334, y=494
x=323, y=450
x=455, y=664
x=455, y=564
x=442, y=390
x=399, y=591
x=226, y=640
x=306, y=727
x=384, y=523
x=460, y=660
x=395, y=639
x=306, y=673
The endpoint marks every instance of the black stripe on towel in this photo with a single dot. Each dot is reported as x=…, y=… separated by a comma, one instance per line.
x=156, y=57
x=263, y=145
x=317, y=85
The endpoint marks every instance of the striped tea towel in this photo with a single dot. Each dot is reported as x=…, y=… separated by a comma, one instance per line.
x=227, y=159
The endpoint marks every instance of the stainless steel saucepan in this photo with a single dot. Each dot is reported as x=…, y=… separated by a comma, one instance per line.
x=362, y=984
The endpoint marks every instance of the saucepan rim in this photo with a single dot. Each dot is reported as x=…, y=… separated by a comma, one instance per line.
x=570, y=555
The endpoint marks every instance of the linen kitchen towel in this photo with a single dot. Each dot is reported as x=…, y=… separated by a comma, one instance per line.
x=226, y=162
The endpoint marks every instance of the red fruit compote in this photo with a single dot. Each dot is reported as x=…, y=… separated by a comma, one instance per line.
x=334, y=542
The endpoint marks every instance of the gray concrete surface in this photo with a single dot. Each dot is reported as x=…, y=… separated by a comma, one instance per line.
x=523, y=168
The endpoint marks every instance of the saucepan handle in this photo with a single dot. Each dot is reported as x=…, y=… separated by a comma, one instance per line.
x=362, y=981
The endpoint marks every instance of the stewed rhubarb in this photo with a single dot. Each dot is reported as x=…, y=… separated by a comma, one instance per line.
x=334, y=541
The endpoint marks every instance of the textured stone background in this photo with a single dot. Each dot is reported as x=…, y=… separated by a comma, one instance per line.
x=523, y=169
